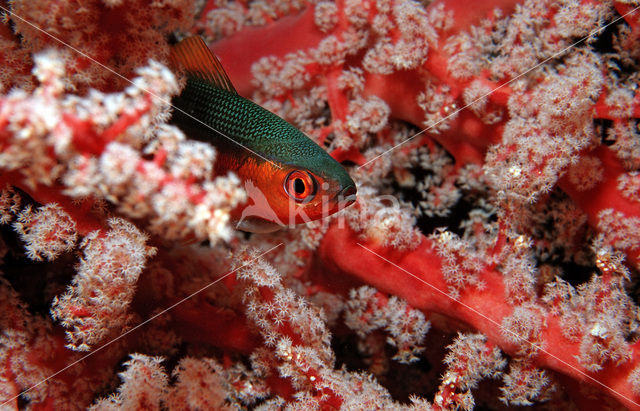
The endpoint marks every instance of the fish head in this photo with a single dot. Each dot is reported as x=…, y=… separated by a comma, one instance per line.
x=289, y=195
x=313, y=194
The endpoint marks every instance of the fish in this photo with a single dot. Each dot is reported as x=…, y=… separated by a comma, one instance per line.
x=289, y=179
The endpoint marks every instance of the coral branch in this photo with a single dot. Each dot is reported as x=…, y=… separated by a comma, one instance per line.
x=489, y=312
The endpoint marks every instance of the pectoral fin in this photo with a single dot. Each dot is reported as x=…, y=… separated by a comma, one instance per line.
x=257, y=225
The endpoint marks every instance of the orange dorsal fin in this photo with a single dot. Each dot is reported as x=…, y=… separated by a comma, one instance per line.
x=196, y=59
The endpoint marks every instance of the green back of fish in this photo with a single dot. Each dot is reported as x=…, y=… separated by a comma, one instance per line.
x=251, y=126
x=210, y=110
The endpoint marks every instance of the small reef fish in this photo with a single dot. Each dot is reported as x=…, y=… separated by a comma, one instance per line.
x=289, y=179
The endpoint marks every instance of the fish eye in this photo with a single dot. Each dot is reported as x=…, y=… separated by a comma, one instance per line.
x=301, y=186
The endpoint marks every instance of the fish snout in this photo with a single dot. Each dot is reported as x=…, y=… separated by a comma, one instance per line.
x=347, y=196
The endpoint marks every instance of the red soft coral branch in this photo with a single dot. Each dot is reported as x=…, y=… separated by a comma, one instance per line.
x=417, y=277
x=399, y=89
x=274, y=39
x=201, y=322
x=605, y=195
x=632, y=19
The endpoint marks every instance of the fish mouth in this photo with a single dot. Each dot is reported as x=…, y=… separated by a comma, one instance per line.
x=346, y=196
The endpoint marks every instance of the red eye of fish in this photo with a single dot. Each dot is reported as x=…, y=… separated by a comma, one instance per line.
x=300, y=185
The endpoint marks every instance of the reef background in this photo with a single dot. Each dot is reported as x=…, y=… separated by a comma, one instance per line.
x=491, y=259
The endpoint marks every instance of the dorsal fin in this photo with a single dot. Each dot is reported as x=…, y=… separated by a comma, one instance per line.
x=193, y=55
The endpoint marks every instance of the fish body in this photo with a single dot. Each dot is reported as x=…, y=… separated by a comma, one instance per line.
x=289, y=178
